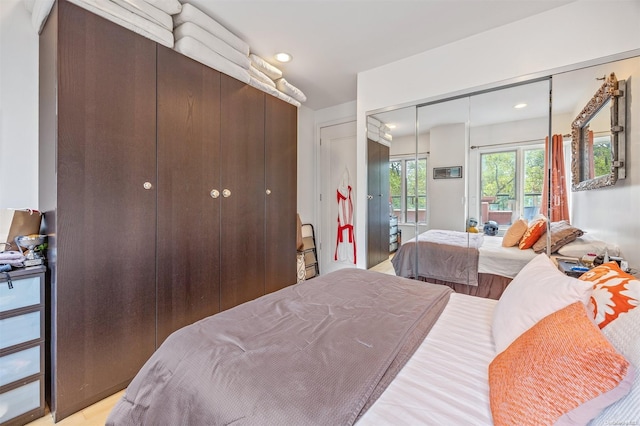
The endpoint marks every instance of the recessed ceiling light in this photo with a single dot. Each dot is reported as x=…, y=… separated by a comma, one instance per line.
x=391, y=126
x=519, y=106
x=283, y=57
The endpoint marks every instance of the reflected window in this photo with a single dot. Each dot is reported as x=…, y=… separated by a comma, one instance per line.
x=408, y=189
x=511, y=184
x=601, y=156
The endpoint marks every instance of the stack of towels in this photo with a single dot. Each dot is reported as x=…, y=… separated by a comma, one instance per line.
x=149, y=18
x=202, y=38
x=196, y=34
x=378, y=131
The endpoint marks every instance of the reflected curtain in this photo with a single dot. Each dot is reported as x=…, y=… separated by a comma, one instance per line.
x=559, y=202
x=592, y=172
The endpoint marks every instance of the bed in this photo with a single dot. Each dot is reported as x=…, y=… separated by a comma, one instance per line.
x=360, y=347
x=473, y=264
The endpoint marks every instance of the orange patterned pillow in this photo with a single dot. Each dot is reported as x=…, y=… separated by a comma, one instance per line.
x=534, y=232
x=562, y=366
x=614, y=292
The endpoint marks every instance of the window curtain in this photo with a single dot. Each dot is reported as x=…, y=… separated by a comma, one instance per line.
x=559, y=204
x=592, y=172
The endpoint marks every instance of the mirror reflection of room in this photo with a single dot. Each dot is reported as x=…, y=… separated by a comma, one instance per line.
x=515, y=150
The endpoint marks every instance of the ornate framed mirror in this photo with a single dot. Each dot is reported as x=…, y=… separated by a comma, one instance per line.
x=598, y=138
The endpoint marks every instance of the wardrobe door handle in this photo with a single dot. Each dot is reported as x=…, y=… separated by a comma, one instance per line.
x=268, y=191
x=147, y=185
x=215, y=193
x=226, y=193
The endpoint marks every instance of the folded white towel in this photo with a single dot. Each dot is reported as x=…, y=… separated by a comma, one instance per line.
x=287, y=88
x=272, y=91
x=196, y=50
x=189, y=29
x=147, y=11
x=40, y=13
x=168, y=6
x=377, y=123
x=256, y=73
x=121, y=16
x=264, y=66
x=190, y=13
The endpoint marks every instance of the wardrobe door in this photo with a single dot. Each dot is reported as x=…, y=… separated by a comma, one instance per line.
x=188, y=212
x=377, y=203
x=385, y=198
x=104, y=295
x=281, y=127
x=243, y=193
x=374, y=212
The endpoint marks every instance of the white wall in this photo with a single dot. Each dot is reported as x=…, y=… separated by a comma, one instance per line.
x=611, y=214
x=447, y=196
x=538, y=44
x=306, y=165
x=309, y=174
x=18, y=107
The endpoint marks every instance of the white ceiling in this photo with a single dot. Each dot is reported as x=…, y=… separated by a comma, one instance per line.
x=331, y=41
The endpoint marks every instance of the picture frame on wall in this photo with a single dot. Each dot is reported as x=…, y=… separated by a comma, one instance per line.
x=454, y=172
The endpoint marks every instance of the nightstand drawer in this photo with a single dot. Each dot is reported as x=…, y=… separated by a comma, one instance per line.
x=19, y=365
x=20, y=400
x=20, y=329
x=25, y=292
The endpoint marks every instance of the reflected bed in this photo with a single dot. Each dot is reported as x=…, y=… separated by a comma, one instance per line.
x=488, y=264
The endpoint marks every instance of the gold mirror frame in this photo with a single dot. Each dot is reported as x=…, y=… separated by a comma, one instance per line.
x=611, y=90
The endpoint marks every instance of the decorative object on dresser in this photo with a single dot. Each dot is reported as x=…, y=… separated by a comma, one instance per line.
x=188, y=172
x=22, y=341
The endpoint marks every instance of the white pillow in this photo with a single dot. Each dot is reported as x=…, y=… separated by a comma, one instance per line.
x=538, y=290
x=624, y=335
x=587, y=244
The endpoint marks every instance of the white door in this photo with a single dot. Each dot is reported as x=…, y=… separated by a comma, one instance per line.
x=338, y=197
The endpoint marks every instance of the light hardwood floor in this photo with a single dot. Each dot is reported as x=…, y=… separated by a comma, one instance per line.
x=97, y=413
x=94, y=415
x=385, y=267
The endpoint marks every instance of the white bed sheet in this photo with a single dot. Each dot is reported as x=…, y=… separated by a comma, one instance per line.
x=505, y=261
x=446, y=380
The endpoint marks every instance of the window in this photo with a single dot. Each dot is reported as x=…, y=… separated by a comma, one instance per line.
x=408, y=189
x=511, y=184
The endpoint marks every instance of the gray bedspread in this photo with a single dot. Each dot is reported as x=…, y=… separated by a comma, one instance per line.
x=316, y=353
x=440, y=255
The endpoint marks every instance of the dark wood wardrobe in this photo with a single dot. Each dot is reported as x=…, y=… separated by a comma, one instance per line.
x=377, y=203
x=169, y=192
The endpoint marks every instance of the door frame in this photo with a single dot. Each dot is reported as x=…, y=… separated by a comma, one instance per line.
x=324, y=235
